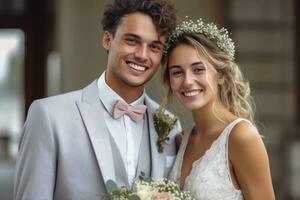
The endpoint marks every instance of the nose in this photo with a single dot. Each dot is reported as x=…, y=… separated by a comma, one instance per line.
x=188, y=79
x=141, y=53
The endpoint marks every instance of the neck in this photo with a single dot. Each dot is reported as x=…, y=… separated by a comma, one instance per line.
x=128, y=93
x=210, y=119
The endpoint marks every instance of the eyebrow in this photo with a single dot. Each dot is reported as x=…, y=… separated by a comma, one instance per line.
x=197, y=63
x=132, y=35
x=174, y=66
x=139, y=38
x=193, y=64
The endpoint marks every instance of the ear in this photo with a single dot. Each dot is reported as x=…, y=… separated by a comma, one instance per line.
x=106, y=40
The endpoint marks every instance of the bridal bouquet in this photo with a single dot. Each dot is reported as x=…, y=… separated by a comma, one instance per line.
x=147, y=189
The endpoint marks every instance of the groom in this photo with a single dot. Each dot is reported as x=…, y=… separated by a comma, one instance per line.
x=73, y=143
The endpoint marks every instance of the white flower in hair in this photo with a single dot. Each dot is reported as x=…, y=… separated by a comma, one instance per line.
x=219, y=36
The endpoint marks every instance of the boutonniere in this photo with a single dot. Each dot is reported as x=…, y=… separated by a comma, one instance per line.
x=163, y=124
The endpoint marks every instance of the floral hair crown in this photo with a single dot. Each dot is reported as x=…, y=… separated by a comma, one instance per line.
x=209, y=30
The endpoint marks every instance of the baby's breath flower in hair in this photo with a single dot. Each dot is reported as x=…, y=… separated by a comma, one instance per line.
x=219, y=36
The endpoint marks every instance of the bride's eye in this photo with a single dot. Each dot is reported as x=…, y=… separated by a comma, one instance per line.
x=175, y=72
x=198, y=70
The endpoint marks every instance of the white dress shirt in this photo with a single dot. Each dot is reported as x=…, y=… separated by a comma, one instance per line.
x=126, y=133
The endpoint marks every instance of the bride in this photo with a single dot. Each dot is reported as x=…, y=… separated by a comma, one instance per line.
x=223, y=156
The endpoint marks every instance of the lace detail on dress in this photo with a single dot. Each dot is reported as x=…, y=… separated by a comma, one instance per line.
x=210, y=178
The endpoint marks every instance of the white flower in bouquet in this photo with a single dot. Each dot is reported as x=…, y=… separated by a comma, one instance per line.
x=144, y=191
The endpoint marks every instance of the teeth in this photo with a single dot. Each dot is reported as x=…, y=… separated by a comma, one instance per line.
x=190, y=94
x=137, y=67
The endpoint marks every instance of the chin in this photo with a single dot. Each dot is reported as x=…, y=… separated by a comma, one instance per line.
x=135, y=83
x=189, y=106
x=192, y=106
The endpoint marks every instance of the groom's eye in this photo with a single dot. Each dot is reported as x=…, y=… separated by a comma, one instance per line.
x=156, y=48
x=131, y=41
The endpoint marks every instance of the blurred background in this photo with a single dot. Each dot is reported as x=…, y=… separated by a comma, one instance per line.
x=49, y=47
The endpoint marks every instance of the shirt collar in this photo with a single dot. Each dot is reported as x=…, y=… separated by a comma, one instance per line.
x=108, y=96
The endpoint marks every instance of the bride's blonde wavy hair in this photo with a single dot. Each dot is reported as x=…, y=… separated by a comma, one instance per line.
x=234, y=93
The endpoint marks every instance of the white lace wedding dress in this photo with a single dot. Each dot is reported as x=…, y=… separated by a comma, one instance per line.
x=210, y=177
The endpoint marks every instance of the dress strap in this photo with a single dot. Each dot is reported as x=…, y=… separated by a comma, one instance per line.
x=229, y=128
x=227, y=134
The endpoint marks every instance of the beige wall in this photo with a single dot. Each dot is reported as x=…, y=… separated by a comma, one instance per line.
x=79, y=42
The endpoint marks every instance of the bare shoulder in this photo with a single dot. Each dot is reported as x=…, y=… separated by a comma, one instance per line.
x=245, y=145
x=244, y=134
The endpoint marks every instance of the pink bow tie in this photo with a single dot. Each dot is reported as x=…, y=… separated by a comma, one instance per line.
x=136, y=113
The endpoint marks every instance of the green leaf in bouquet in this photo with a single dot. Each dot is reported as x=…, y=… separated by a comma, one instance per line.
x=111, y=186
x=143, y=177
x=148, y=179
x=134, y=197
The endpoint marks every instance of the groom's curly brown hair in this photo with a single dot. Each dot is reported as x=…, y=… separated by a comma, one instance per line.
x=162, y=13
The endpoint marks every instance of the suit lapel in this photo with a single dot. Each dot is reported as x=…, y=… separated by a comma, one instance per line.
x=91, y=112
x=158, y=159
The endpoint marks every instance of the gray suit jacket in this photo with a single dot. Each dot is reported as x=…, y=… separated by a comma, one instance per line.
x=66, y=151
